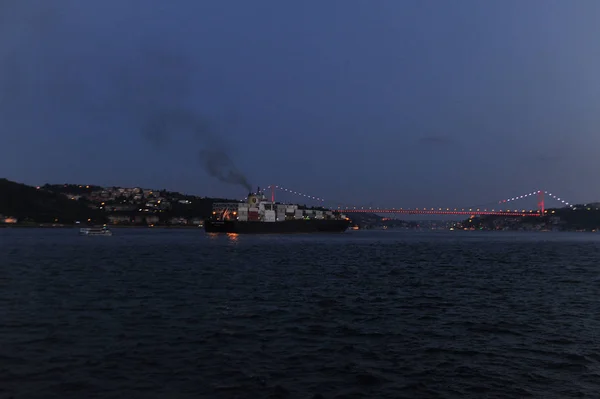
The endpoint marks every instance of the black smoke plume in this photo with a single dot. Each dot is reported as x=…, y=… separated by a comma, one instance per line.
x=218, y=164
x=57, y=70
x=213, y=157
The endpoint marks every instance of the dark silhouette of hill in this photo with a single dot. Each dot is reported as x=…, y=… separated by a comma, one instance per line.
x=48, y=204
x=580, y=217
x=41, y=206
x=51, y=203
x=70, y=188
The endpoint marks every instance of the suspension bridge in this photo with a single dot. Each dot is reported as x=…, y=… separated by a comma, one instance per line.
x=502, y=207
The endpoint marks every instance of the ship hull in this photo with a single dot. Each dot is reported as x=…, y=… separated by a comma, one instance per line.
x=285, y=227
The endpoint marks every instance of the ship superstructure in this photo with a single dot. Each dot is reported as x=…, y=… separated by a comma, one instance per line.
x=258, y=214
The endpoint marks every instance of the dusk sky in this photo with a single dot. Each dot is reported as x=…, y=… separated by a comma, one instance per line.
x=382, y=102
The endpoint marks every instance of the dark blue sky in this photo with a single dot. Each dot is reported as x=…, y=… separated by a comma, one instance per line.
x=394, y=103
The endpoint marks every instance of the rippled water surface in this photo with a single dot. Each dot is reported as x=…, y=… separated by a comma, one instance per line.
x=178, y=314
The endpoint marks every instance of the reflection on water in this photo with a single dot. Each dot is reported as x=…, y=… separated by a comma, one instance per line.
x=231, y=237
x=212, y=236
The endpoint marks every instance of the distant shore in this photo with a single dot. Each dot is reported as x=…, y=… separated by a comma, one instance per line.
x=78, y=226
x=70, y=226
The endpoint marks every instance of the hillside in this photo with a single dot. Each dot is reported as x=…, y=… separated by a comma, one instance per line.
x=28, y=203
x=69, y=203
x=365, y=219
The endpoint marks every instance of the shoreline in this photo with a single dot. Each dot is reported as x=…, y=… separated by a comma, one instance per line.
x=59, y=226
x=195, y=227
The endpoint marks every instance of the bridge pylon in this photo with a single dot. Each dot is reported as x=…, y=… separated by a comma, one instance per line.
x=540, y=204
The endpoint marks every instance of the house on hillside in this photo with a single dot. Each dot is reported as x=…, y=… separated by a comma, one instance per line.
x=144, y=219
x=121, y=208
x=116, y=219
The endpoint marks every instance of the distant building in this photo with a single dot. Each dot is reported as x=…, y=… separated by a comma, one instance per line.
x=162, y=204
x=152, y=219
x=10, y=220
x=141, y=219
x=72, y=196
x=121, y=208
x=118, y=219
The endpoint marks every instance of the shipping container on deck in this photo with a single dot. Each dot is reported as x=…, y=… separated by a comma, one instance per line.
x=270, y=216
x=281, y=216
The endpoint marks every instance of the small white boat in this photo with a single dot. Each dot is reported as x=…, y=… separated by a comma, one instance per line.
x=95, y=231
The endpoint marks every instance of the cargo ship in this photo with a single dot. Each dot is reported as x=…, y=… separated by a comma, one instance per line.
x=259, y=216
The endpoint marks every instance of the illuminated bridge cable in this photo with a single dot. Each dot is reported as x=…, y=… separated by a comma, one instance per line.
x=504, y=206
x=518, y=197
x=533, y=194
x=298, y=193
x=303, y=195
x=558, y=199
x=333, y=205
